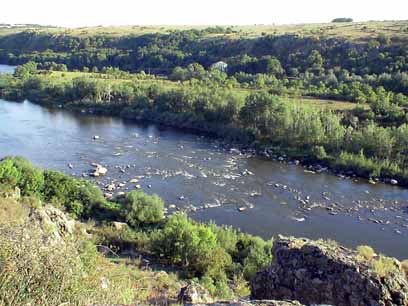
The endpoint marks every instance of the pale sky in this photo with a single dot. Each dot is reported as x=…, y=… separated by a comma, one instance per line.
x=75, y=13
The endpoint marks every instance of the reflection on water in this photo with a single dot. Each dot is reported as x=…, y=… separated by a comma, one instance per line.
x=198, y=175
x=7, y=69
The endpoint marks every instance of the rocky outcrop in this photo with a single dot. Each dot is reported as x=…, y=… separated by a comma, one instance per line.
x=194, y=294
x=321, y=272
x=53, y=222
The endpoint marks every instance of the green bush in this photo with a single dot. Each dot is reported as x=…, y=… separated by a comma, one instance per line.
x=62, y=190
x=258, y=255
x=9, y=175
x=29, y=179
x=186, y=244
x=385, y=265
x=142, y=209
x=365, y=252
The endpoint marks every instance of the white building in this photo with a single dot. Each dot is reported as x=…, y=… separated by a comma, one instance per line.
x=223, y=66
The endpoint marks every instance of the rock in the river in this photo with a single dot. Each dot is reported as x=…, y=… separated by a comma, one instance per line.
x=108, y=195
x=99, y=170
x=394, y=182
x=111, y=187
x=320, y=272
x=120, y=194
x=96, y=137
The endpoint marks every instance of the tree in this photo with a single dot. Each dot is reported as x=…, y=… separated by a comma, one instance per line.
x=342, y=19
x=24, y=71
x=188, y=244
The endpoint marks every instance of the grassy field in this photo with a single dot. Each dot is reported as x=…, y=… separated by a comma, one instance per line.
x=353, y=31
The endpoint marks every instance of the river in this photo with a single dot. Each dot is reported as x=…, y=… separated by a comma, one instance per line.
x=197, y=174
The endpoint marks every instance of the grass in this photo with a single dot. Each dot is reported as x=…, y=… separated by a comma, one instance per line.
x=36, y=272
x=334, y=105
x=353, y=31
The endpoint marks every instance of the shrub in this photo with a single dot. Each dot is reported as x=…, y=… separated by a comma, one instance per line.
x=365, y=252
x=186, y=244
x=31, y=179
x=259, y=256
x=385, y=265
x=9, y=175
x=62, y=190
x=142, y=209
x=404, y=265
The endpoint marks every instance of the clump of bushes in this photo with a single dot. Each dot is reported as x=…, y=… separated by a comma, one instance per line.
x=142, y=209
x=80, y=198
x=365, y=252
x=385, y=265
x=213, y=254
x=380, y=264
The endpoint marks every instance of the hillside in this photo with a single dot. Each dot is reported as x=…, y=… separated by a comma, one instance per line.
x=358, y=31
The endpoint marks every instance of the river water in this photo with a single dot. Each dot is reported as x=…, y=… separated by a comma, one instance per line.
x=198, y=175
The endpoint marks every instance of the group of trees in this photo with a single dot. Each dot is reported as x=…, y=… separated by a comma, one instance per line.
x=331, y=68
x=289, y=54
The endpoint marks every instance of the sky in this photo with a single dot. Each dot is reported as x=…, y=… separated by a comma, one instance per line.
x=78, y=13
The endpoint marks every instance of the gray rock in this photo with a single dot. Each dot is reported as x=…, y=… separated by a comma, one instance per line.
x=194, y=293
x=321, y=272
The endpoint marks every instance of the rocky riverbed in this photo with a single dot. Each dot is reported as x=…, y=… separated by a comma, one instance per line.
x=208, y=179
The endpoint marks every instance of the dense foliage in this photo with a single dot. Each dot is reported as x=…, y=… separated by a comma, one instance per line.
x=140, y=208
x=315, y=60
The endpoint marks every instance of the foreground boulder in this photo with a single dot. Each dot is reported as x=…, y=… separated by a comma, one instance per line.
x=194, y=294
x=319, y=272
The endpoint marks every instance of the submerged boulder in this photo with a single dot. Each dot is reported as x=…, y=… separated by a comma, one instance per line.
x=321, y=272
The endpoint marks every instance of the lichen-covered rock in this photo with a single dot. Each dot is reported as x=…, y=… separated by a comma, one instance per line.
x=319, y=272
x=194, y=294
x=54, y=223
